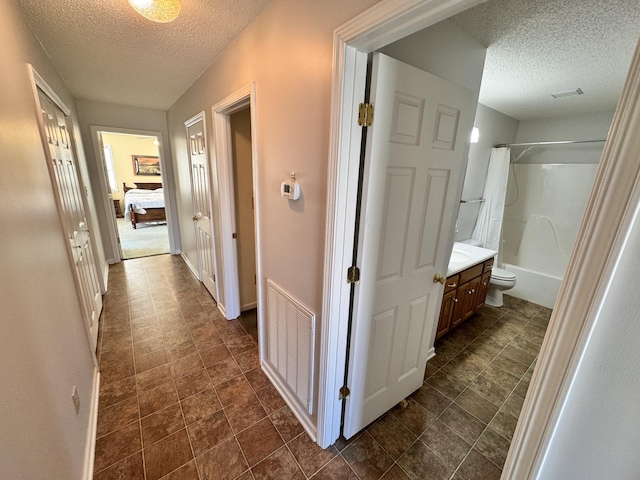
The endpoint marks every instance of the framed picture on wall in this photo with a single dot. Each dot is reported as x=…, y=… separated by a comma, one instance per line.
x=146, y=165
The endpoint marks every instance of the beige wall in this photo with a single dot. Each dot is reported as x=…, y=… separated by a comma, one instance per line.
x=123, y=147
x=123, y=117
x=44, y=349
x=288, y=53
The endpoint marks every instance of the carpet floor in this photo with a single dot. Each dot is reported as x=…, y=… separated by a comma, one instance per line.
x=144, y=241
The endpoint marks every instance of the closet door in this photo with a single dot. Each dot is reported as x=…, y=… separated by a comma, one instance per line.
x=70, y=193
x=201, y=199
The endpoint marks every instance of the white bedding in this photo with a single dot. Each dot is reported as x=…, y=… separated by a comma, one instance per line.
x=137, y=200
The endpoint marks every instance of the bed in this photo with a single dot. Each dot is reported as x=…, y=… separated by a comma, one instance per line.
x=144, y=203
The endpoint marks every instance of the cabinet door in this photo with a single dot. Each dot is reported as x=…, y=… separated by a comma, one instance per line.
x=457, y=316
x=482, y=289
x=469, y=295
x=448, y=302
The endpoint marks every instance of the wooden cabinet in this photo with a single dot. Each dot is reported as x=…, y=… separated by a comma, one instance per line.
x=464, y=294
x=483, y=288
x=446, y=311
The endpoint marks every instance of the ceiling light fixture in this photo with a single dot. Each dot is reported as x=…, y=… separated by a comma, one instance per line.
x=161, y=11
x=570, y=93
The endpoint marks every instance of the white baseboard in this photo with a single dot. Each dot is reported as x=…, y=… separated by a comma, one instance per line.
x=300, y=413
x=191, y=267
x=248, y=306
x=431, y=353
x=89, y=453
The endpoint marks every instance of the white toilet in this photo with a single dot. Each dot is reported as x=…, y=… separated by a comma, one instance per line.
x=501, y=280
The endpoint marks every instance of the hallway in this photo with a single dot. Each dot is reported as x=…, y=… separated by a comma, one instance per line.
x=182, y=395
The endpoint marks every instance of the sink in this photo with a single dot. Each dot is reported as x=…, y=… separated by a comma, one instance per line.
x=458, y=256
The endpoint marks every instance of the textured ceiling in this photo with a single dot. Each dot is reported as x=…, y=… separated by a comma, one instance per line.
x=105, y=51
x=540, y=47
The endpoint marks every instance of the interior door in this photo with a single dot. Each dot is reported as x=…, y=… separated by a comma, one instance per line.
x=412, y=182
x=112, y=214
x=70, y=192
x=201, y=198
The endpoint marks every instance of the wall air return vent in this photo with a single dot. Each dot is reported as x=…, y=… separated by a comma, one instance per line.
x=570, y=93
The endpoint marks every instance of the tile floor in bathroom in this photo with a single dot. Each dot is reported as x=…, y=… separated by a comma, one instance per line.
x=182, y=395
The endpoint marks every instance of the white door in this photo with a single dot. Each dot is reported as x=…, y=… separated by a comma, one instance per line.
x=201, y=199
x=410, y=193
x=107, y=164
x=70, y=191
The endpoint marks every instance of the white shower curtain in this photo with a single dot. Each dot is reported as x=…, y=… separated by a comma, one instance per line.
x=489, y=223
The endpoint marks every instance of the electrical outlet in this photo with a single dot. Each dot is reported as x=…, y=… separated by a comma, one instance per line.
x=76, y=399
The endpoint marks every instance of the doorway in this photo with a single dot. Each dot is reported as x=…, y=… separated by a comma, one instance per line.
x=351, y=49
x=136, y=198
x=235, y=136
x=244, y=205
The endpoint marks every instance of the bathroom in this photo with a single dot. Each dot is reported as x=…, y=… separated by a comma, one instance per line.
x=534, y=86
x=552, y=101
x=547, y=189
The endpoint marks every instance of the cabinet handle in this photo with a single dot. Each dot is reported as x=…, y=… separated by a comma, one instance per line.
x=453, y=285
x=471, y=291
x=484, y=284
x=455, y=300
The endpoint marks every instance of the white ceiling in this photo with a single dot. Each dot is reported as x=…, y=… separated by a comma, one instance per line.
x=105, y=51
x=540, y=47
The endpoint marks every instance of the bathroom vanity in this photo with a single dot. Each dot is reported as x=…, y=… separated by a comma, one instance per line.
x=465, y=289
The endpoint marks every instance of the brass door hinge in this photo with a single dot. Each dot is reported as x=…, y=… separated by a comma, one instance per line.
x=344, y=393
x=365, y=114
x=353, y=275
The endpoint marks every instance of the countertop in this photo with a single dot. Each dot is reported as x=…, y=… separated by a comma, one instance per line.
x=464, y=256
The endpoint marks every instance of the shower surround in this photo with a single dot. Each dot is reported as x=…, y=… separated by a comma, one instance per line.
x=543, y=210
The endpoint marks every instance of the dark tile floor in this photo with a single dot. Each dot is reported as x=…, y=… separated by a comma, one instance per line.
x=182, y=395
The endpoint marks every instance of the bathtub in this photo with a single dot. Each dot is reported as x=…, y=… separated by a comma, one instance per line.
x=536, y=287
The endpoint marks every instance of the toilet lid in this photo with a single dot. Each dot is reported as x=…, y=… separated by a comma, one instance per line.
x=501, y=274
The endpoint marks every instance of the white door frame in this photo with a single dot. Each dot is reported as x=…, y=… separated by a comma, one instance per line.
x=192, y=121
x=599, y=240
x=223, y=155
x=103, y=181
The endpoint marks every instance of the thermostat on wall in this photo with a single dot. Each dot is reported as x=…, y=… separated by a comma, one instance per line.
x=290, y=188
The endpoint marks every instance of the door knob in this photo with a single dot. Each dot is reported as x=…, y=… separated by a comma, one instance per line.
x=437, y=278
x=196, y=217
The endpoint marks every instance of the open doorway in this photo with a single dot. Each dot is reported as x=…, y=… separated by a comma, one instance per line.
x=239, y=210
x=135, y=186
x=244, y=203
x=343, y=121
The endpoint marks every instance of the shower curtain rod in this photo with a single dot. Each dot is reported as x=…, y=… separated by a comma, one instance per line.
x=560, y=142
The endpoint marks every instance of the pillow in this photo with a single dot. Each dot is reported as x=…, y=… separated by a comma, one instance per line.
x=159, y=190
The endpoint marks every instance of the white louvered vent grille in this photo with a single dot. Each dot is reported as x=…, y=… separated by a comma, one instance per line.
x=291, y=343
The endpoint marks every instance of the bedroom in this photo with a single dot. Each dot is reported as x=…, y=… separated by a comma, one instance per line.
x=135, y=183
